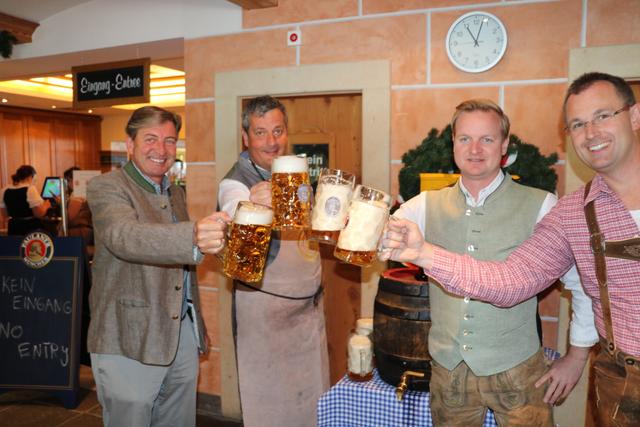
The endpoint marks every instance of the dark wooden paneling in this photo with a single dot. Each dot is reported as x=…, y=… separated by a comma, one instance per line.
x=13, y=150
x=49, y=141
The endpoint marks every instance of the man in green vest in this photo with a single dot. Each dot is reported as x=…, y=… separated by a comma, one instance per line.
x=485, y=357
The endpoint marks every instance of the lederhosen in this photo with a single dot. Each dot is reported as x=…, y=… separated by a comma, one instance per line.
x=617, y=374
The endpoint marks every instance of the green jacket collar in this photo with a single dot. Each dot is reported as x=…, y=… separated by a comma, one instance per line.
x=133, y=172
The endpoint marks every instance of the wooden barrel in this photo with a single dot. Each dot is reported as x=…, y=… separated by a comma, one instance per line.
x=401, y=323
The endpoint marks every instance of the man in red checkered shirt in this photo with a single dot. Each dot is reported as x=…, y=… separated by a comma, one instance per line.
x=596, y=228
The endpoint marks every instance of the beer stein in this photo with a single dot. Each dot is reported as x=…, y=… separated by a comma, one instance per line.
x=291, y=193
x=248, y=242
x=359, y=357
x=329, y=213
x=367, y=215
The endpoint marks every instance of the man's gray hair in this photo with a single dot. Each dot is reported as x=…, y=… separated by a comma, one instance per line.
x=150, y=116
x=260, y=106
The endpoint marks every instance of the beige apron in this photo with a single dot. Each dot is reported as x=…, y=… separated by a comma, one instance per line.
x=281, y=344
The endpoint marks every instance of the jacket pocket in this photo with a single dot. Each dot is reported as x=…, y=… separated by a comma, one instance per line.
x=133, y=321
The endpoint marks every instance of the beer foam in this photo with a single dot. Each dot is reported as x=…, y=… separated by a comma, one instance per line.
x=364, y=325
x=289, y=164
x=253, y=214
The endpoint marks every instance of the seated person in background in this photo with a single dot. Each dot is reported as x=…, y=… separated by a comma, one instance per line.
x=22, y=203
x=78, y=213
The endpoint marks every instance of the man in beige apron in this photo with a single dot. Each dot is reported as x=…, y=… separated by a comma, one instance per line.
x=279, y=323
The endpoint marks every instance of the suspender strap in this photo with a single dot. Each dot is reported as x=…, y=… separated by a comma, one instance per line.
x=598, y=249
x=625, y=249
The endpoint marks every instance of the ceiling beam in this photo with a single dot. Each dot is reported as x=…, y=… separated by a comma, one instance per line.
x=20, y=28
x=255, y=4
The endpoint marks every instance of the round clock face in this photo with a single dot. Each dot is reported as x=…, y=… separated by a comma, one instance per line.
x=476, y=42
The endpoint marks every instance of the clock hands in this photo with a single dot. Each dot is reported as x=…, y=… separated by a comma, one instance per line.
x=475, y=41
x=478, y=35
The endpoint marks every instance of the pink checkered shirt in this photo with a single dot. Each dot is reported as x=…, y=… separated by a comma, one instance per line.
x=559, y=240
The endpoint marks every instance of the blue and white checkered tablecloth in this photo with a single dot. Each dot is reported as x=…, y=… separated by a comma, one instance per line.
x=374, y=404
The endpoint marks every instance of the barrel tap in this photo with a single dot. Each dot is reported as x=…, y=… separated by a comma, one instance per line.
x=402, y=387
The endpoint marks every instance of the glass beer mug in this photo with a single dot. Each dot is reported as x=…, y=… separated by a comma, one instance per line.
x=248, y=242
x=368, y=213
x=359, y=357
x=291, y=193
x=332, y=196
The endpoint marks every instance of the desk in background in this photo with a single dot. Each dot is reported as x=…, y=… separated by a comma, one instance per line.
x=374, y=404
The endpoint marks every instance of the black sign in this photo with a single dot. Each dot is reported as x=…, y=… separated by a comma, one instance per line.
x=111, y=84
x=317, y=157
x=40, y=319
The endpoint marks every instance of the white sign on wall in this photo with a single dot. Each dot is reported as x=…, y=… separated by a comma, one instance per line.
x=80, y=180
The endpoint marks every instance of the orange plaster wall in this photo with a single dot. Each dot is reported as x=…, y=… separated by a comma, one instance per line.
x=400, y=39
x=529, y=82
x=530, y=105
x=386, y=6
x=292, y=11
x=616, y=22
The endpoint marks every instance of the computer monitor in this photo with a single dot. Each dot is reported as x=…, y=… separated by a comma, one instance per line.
x=52, y=187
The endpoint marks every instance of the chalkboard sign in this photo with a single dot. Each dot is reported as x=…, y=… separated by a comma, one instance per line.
x=125, y=82
x=317, y=157
x=40, y=319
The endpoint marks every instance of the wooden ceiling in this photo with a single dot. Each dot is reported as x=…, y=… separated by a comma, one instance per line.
x=255, y=4
x=20, y=28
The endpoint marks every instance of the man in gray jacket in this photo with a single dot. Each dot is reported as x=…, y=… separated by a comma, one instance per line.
x=146, y=328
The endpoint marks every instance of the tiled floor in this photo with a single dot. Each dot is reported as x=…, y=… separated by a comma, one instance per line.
x=37, y=409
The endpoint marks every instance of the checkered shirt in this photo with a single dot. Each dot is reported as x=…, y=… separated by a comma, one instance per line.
x=559, y=240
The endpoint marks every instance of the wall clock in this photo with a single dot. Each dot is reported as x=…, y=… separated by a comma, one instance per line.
x=476, y=42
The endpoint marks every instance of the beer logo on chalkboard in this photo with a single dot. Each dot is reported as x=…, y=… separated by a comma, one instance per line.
x=36, y=249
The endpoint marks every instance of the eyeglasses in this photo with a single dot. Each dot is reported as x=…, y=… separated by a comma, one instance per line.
x=598, y=120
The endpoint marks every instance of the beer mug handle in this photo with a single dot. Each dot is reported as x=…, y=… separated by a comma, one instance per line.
x=225, y=244
x=382, y=250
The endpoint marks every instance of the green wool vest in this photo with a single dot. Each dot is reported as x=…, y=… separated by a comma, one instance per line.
x=488, y=338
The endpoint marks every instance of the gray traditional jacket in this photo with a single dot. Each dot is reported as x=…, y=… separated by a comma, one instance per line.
x=138, y=269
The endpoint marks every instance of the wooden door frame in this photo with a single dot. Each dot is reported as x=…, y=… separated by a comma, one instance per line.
x=371, y=79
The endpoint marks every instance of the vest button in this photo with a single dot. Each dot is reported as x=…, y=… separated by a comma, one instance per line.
x=466, y=300
x=466, y=347
x=178, y=287
x=467, y=212
x=175, y=317
x=163, y=206
x=471, y=248
x=467, y=316
x=466, y=332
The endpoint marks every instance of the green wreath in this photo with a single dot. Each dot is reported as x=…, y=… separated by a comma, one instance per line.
x=435, y=154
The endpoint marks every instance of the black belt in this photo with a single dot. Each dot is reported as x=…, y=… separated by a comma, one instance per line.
x=316, y=295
